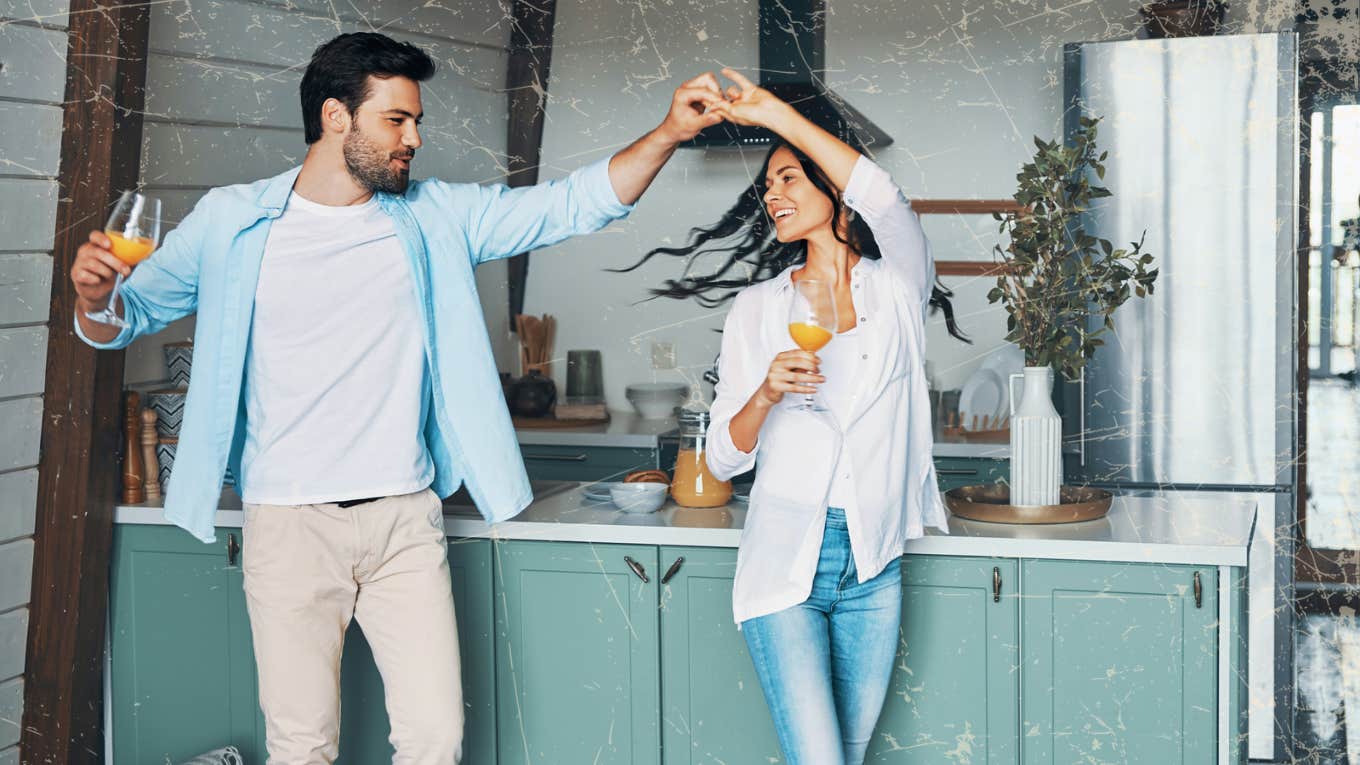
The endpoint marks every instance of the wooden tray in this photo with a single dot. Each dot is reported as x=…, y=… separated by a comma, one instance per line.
x=1002, y=436
x=989, y=430
x=549, y=423
x=989, y=502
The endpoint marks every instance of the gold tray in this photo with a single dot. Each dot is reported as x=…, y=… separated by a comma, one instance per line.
x=988, y=502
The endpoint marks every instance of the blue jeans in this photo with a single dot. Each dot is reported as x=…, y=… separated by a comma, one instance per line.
x=825, y=663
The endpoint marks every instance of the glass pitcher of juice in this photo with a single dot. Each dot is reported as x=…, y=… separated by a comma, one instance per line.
x=693, y=485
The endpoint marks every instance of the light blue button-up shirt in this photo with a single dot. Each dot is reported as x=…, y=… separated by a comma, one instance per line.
x=210, y=264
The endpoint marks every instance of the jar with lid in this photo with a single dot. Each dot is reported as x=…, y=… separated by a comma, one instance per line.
x=693, y=484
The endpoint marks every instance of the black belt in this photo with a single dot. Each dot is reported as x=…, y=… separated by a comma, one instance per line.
x=353, y=502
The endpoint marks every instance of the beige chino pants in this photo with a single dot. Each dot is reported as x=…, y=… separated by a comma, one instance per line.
x=308, y=570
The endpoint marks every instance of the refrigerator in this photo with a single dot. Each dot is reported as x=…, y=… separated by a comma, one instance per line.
x=1195, y=389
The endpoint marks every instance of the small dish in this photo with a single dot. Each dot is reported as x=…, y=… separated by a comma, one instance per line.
x=656, y=401
x=639, y=497
x=599, y=491
x=983, y=395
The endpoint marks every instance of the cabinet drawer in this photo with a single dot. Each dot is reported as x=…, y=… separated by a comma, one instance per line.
x=967, y=471
x=585, y=463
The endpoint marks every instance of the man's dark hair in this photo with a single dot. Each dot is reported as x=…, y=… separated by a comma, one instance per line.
x=340, y=69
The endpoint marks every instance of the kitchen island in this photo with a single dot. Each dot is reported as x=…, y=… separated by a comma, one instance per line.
x=592, y=635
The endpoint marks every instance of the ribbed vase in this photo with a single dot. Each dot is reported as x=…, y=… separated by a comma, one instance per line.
x=1036, y=441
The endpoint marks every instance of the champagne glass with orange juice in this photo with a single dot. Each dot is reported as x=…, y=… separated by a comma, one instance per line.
x=812, y=324
x=134, y=229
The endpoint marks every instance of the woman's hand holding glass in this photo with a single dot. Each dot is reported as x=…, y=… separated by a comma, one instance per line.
x=791, y=372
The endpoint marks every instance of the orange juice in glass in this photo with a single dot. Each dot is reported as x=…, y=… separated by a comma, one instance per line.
x=130, y=251
x=812, y=324
x=133, y=230
x=809, y=337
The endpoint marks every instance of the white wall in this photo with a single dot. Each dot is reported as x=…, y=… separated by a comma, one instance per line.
x=32, y=81
x=614, y=67
x=222, y=104
x=961, y=86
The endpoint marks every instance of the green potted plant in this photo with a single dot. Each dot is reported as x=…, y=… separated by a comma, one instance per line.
x=1060, y=286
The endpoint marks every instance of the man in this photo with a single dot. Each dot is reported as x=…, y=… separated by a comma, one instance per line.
x=343, y=372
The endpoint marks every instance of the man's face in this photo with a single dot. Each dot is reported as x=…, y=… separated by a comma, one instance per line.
x=383, y=135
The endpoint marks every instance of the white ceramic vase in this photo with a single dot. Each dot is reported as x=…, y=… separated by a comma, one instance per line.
x=1036, y=440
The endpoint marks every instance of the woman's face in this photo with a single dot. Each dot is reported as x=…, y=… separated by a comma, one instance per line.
x=797, y=207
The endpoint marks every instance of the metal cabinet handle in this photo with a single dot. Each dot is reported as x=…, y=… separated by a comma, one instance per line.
x=956, y=471
x=673, y=570
x=637, y=569
x=557, y=457
x=1199, y=592
x=996, y=584
x=233, y=549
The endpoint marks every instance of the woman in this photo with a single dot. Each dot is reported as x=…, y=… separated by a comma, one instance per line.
x=818, y=587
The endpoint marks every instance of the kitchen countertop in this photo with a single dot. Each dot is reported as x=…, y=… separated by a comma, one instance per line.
x=1179, y=528
x=624, y=429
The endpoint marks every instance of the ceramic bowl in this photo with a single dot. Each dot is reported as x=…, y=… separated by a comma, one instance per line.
x=639, y=497
x=656, y=401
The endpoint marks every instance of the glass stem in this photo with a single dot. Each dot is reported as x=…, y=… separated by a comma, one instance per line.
x=112, y=309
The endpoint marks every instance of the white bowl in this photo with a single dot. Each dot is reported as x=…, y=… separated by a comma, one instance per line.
x=639, y=497
x=656, y=401
x=655, y=410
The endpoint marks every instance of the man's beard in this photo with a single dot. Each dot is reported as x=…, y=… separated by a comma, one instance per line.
x=372, y=167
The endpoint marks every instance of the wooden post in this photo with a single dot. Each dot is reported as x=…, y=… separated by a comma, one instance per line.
x=526, y=81
x=79, y=471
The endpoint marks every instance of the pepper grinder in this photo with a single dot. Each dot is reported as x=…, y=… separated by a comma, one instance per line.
x=133, y=492
x=152, y=482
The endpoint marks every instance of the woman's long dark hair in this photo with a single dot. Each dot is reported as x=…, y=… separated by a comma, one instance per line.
x=745, y=234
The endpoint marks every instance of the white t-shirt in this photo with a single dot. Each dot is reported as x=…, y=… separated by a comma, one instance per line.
x=335, y=385
x=841, y=366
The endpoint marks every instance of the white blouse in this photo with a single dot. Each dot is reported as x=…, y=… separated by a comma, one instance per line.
x=887, y=431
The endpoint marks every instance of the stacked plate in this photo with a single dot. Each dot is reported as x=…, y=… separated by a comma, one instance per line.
x=985, y=394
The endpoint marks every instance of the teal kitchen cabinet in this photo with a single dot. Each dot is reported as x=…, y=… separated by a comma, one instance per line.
x=954, y=694
x=712, y=708
x=364, y=726
x=1119, y=663
x=586, y=463
x=580, y=652
x=577, y=675
x=182, y=669
x=953, y=472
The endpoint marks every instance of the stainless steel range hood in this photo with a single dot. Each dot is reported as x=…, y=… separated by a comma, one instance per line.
x=792, y=67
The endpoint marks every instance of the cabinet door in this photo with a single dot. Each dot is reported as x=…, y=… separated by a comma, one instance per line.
x=470, y=567
x=953, y=472
x=364, y=725
x=586, y=463
x=182, y=671
x=1119, y=663
x=712, y=707
x=576, y=654
x=954, y=695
